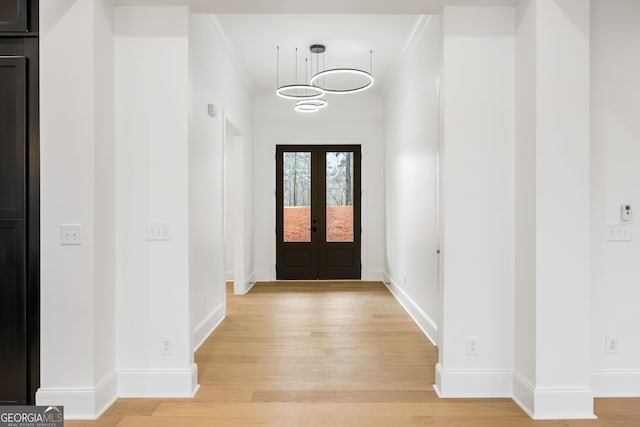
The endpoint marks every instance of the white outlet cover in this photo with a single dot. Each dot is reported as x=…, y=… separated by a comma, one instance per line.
x=166, y=346
x=71, y=234
x=473, y=344
x=611, y=345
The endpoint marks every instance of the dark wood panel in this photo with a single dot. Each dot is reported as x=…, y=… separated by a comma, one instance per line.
x=20, y=147
x=31, y=48
x=297, y=257
x=339, y=257
x=13, y=15
x=13, y=331
x=13, y=137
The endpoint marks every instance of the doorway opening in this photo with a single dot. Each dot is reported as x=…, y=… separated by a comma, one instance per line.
x=318, y=212
x=236, y=229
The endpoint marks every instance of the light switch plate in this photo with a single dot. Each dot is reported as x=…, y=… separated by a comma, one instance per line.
x=70, y=234
x=618, y=232
x=158, y=231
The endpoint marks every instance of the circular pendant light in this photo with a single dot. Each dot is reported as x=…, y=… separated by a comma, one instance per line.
x=310, y=105
x=306, y=108
x=343, y=71
x=320, y=103
x=294, y=92
x=308, y=95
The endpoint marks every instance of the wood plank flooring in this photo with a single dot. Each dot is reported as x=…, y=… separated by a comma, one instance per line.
x=327, y=354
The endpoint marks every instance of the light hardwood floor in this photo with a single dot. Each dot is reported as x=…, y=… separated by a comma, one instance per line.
x=327, y=354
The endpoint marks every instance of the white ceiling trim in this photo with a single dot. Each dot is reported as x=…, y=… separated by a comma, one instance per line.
x=373, y=7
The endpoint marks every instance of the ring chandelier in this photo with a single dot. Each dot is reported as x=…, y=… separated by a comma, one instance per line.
x=310, y=105
x=308, y=96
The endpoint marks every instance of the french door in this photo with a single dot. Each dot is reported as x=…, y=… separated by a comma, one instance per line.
x=318, y=212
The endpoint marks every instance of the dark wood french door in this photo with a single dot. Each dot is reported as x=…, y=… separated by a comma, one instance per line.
x=318, y=212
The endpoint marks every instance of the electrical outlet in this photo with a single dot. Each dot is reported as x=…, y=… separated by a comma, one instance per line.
x=610, y=345
x=473, y=344
x=166, y=346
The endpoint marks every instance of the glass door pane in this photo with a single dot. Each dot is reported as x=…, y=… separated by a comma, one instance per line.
x=297, y=196
x=339, y=196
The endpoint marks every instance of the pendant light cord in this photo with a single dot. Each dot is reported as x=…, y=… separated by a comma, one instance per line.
x=306, y=68
x=323, y=79
x=277, y=67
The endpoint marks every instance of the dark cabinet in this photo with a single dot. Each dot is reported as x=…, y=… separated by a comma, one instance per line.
x=13, y=312
x=19, y=203
x=13, y=137
x=13, y=15
x=13, y=281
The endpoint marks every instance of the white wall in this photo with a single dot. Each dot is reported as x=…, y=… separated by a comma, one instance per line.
x=105, y=253
x=355, y=119
x=240, y=228
x=478, y=201
x=412, y=139
x=77, y=282
x=615, y=145
x=206, y=188
x=152, y=154
x=525, y=231
x=229, y=190
x=216, y=78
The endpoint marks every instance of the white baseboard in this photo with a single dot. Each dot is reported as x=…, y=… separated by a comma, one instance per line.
x=158, y=382
x=228, y=276
x=422, y=319
x=244, y=288
x=616, y=383
x=373, y=276
x=458, y=383
x=265, y=276
x=208, y=325
x=563, y=403
x=81, y=403
x=270, y=276
x=553, y=403
x=523, y=393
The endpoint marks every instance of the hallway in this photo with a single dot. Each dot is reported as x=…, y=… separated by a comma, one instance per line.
x=325, y=354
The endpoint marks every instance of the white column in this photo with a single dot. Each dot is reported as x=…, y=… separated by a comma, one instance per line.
x=152, y=154
x=476, y=334
x=77, y=282
x=553, y=165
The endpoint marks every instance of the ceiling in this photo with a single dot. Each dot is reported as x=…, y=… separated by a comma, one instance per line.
x=348, y=38
x=349, y=29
